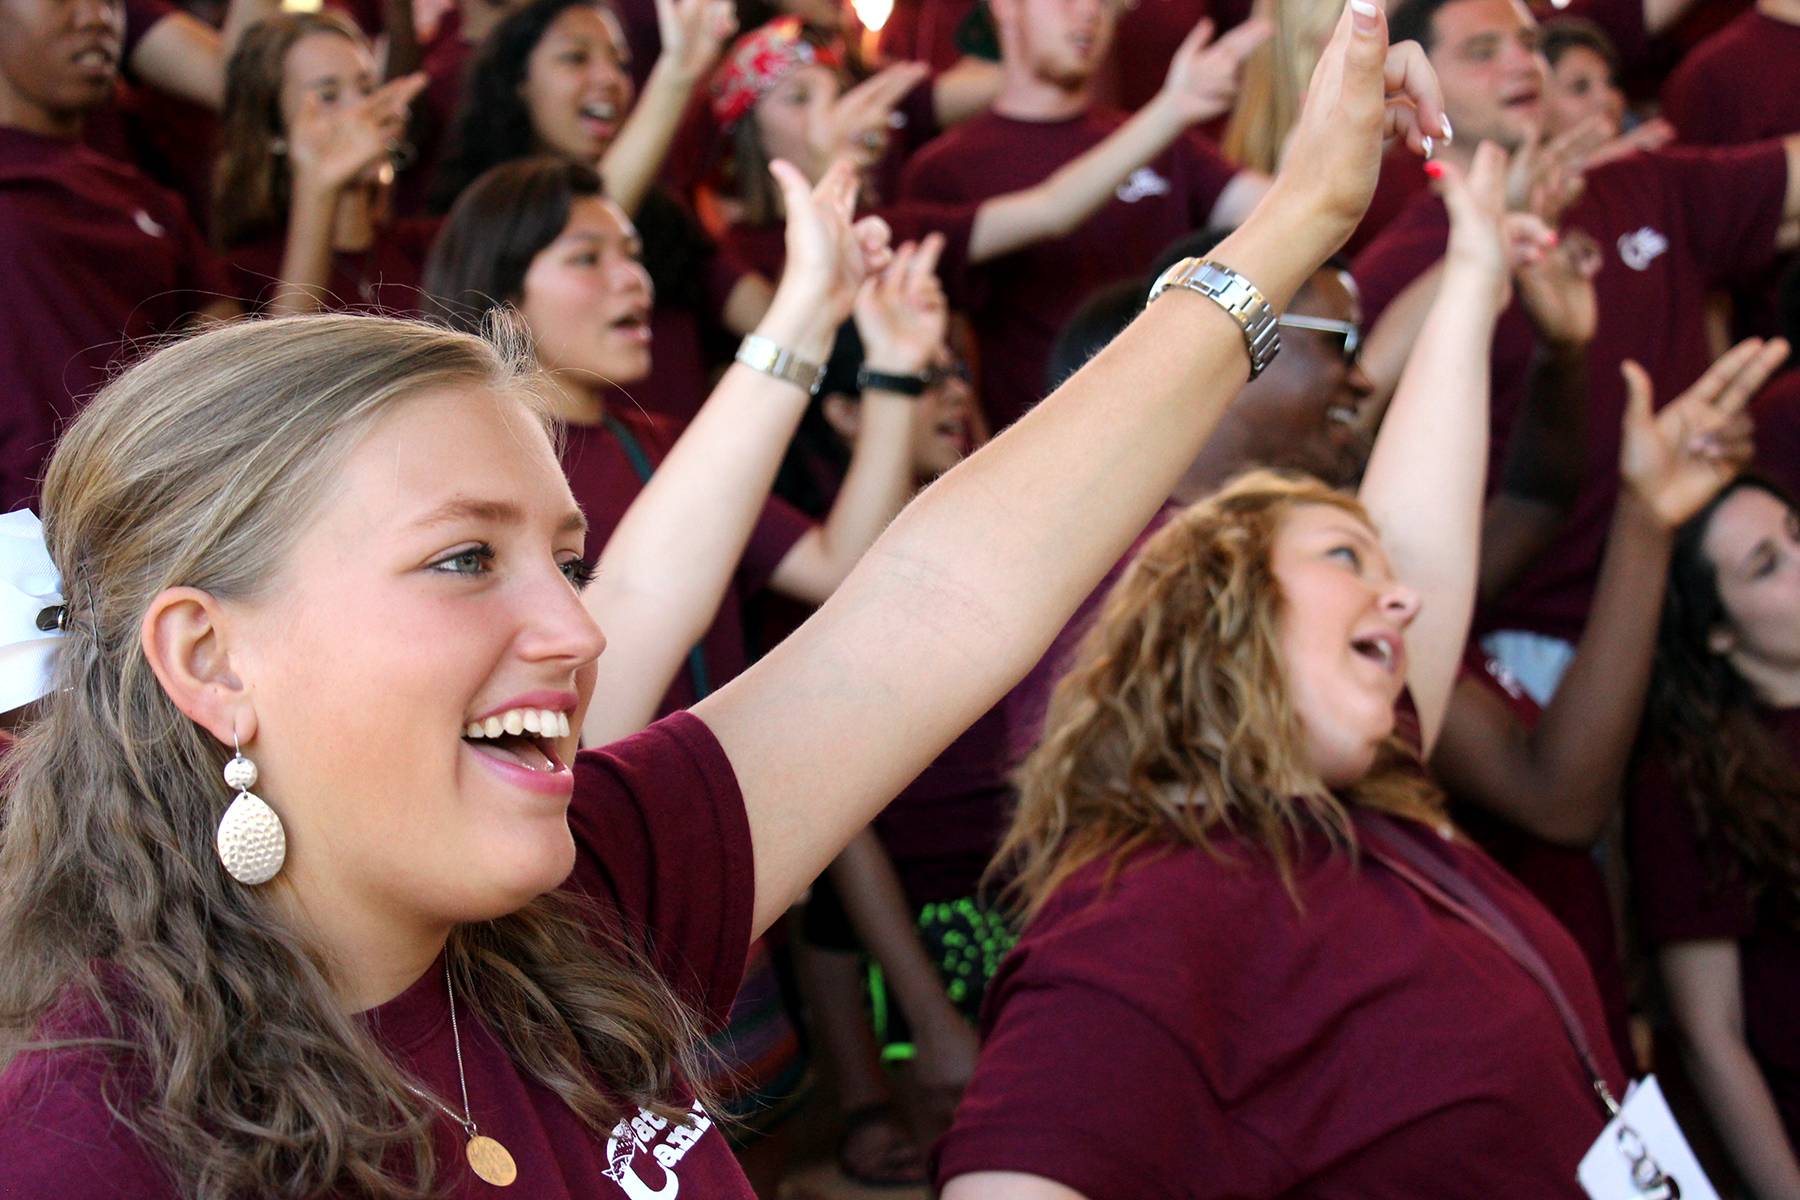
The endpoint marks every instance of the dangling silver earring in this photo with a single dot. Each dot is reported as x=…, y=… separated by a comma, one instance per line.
x=251, y=842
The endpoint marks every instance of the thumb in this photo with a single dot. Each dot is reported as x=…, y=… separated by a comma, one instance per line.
x=1637, y=393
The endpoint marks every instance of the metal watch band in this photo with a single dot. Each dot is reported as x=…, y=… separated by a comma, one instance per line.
x=882, y=381
x=1237, y=296
x=764, y=354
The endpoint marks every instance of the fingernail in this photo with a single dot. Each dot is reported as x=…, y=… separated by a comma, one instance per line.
x=1364, y=14
x=1553, y=237
x=1449, y=133
x=1432, y=169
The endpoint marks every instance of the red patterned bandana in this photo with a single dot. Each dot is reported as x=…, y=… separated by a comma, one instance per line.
x=757, y=64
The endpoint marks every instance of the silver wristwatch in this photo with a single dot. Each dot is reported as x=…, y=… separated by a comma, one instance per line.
x=763, y=354
x=1237, y=296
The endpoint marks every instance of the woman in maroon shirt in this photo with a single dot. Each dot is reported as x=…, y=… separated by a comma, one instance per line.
x=1249, y=1008
x=305, y=170
x=348, y=556
x=1715, y=823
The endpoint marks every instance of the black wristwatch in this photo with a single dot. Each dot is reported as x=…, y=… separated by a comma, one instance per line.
x=881, y=381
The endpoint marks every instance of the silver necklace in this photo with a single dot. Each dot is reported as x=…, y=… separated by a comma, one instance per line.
x=491, y=1162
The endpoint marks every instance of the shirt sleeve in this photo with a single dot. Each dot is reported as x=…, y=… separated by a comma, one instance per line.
x=777, y=529
x=661, y=836
x=140, y=17
x=1396, y=258
x=1687, y=104
x=1731, y=198
x=1683, y=893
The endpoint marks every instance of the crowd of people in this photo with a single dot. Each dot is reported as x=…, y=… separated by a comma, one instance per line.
x=1072, y=599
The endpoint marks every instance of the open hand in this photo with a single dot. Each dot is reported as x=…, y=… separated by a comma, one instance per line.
x=329, y=147
x=829, y=252
x=1484, y=237
x=1556, y=287
x=855, y=125
x=901, y=313
x=1204, y=76
x=1678, y=458
x=694, y=33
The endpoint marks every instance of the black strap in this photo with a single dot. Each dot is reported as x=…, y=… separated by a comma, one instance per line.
x=698, y=675
x=1388, y=844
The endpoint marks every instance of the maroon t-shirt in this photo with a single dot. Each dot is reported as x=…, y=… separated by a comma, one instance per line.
x=1188, y=1032
x=1688, y=888
x=1738, y=85
x=1565, y=879
x=663, y=846
x=763, y=248
x=605, y=479
x=1402, y=178
x=1026, y=297
x=1673, y=226
x=1776, y=411
x=445, y=63
x=1029, y=701
x=99, y=260
x=925, y=31
x=384, y=278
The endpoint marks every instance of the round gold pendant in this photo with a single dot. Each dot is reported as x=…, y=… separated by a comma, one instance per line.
x=491, y=1161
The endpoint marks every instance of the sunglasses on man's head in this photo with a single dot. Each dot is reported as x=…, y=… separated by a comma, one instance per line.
x=1348, y=331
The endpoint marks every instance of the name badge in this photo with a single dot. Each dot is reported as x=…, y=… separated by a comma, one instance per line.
x=1642, y=1155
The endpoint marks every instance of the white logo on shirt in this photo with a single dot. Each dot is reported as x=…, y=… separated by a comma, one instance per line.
x=1642, y=248
x=668, y=1145
x=148, y=224
x=1143, y=184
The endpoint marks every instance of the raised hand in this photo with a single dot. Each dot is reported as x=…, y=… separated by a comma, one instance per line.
x=1556, y=287
x=829, y=252
x=694, y=33
x=1651, y=135
x=1362, y=92
x=329, y=147
x=901, y=313
x=1484, y=237
x=1678, y=458
x=1546, y=177
x=855, y=125
x=1204, y=76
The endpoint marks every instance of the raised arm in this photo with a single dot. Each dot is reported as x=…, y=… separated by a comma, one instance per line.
x=693, y=31
x=968, y=586
x=901, y=317
x=1559, y=780
x=1202, y=83
x=1425, y=478
x=666, y=566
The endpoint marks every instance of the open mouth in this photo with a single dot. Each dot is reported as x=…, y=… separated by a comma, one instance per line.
x=1520, y=100
x=634, y=325
x=95, y=58
x=1381, y=649
x=525, y=737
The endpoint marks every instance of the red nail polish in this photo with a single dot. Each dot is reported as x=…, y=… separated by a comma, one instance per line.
x=1435, y=170
x=1554, y=239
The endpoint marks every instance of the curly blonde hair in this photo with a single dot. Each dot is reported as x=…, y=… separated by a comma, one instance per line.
x=1174, y=722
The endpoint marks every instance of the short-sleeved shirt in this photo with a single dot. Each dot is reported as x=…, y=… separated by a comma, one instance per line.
x=99, y=260
x=1673, y=226
x=1027, y=297
x=1565, y=879
x=1687, y=887
x=605, y=478
x=1189, y=1032
x=1738, y=85
x=663, y=848
x=1776, y=411
x=385, y=278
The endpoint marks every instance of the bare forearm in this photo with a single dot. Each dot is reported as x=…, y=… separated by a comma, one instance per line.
x=306, y=260
x=877, y=485
x=183, y=56
x=965, y=89
x=876, y=905
x=1060, y=203
x=631, y=163
x=1425, y=479
x=1547, y=454
x=1744, y=1113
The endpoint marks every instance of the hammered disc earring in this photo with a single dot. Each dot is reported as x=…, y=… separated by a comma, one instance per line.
x=251, y=842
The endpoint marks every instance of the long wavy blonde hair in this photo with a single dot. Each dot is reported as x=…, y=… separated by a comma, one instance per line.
x=198, y=468
x=1174, y=722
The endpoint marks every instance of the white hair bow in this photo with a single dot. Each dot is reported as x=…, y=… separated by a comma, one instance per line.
x=31, y=612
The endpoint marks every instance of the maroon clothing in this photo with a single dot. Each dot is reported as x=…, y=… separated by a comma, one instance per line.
x=1673, y=225
x=943, y=828
x=763, y=248
x=1565, y=879
x=1028, y=296
x=1145, y=40
x=1188, y=1032
x=1776, y=410
x=1689, y=888
x=925, y=31
x=384, y=278
x=605, y=480
x=1029, y=702
x=98, y=260
x=663, y=849
x=1738, y=85
x=445, y=63
x=1402, y=178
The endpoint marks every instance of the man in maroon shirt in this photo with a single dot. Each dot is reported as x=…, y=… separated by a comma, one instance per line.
x=97, y=258
x=1043, y=117
x=1673, y=225
x=1739, y=85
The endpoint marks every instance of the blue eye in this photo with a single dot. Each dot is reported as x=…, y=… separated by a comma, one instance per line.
x=579, y=572
x=476, y=560
x=1347, y=554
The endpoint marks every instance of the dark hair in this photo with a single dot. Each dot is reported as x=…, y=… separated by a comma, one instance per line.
x=497, y=226
x=1100, y=319
x=1787, y=304
x=1415, y=21
x=1742, y=782
x=1570, y=33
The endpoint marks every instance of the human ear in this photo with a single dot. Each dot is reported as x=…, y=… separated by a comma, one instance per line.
x=184, y=639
